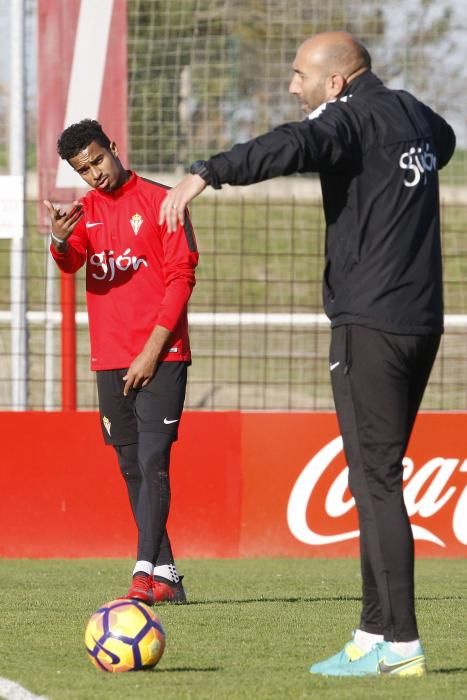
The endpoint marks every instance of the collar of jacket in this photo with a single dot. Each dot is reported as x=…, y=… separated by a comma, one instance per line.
x=363, y=82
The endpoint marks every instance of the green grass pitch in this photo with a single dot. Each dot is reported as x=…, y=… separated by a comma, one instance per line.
x=251, y=630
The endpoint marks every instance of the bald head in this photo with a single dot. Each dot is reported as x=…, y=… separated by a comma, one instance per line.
x=338, y=52
x=324, y=65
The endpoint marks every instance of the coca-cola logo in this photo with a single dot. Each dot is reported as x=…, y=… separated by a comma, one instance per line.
x=426, y=492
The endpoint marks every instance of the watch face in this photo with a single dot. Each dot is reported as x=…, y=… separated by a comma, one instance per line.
x=197, y=167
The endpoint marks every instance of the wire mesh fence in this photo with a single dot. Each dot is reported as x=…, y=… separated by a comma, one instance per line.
x=203, y=74
x=259, y=339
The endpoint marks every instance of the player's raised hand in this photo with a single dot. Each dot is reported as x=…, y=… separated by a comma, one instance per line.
x=63, y=223
x=173, y=207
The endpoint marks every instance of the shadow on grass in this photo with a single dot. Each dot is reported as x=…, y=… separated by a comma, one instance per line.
x=304, y=599
x=441, y=597
x=297, y=599
x=446, y=670
x=189, y=669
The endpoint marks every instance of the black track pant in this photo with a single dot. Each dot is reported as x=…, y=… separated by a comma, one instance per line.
x=145, y=468
x=378, y=381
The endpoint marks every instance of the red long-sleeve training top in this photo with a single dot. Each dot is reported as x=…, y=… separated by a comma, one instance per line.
x=137, y=273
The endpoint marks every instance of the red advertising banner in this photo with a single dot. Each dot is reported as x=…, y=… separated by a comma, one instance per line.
x=244, y=484
x=296, y=465
x=82, y=73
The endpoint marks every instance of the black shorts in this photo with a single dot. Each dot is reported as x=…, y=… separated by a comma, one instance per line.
x=157, y=407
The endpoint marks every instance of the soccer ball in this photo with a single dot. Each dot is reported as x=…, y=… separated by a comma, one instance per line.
x=124, y=635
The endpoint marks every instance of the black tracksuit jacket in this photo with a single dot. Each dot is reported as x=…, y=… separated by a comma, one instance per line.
x=378, y=152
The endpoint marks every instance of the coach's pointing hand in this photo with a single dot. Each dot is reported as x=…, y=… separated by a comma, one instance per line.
x=173, y=207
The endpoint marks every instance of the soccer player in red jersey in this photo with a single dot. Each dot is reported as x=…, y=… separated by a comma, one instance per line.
x=139, y=278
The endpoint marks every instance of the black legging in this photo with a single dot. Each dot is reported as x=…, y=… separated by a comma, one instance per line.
x=145, y=468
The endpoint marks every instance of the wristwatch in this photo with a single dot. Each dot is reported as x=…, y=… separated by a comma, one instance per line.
x=200, y=168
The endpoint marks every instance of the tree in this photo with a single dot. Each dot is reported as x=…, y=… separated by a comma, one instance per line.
x=427, y=45
x=206, y=73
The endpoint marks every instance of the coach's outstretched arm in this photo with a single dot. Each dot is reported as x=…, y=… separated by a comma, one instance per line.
x=282, y=151
x=294, y=147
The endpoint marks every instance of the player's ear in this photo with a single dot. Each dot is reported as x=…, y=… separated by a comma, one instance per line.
x=114, y=149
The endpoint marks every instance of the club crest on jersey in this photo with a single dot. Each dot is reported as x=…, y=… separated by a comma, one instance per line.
x=136, y=221
x=107, y=423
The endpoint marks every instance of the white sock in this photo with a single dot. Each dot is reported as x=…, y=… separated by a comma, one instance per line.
x=167, y=571
x=367, y=640
x=145, y=566
x=405, y=648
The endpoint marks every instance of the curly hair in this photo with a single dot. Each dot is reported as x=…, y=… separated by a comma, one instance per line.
x=77, y=136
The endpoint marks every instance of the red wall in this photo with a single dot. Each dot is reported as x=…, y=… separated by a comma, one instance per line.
x=244, y=484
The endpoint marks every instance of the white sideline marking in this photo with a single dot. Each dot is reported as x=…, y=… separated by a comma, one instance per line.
x=9, y=690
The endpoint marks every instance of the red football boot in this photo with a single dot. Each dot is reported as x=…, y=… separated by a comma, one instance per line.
x=142, y=589
x=166, y=591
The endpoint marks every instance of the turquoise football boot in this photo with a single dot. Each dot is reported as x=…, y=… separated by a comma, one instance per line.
x=351, y=652
x=382, y=661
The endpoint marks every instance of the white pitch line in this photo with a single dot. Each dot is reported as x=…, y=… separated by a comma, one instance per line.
x=9, y=690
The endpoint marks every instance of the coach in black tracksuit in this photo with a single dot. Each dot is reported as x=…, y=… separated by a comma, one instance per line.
x=378, y=152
